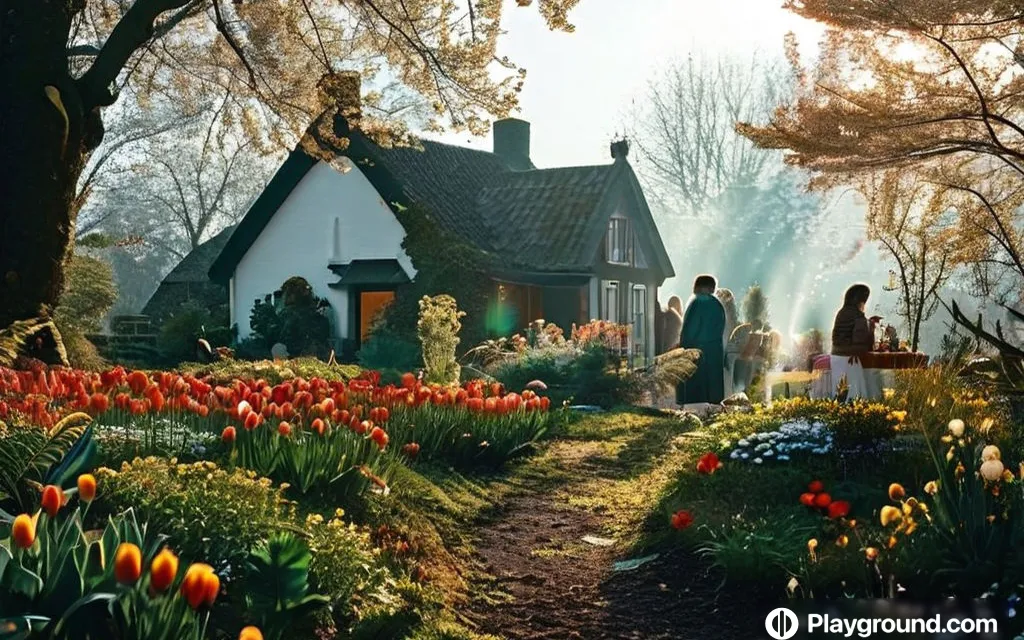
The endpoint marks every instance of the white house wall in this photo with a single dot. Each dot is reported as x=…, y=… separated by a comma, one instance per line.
x=329, y=217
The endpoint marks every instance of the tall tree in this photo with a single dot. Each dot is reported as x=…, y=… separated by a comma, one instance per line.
x=929, y=88
x=64, y=61
x=686, y=133
x=911, y=221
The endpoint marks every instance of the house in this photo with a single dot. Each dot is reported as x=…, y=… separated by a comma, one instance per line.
x=189, y=282
x=575, y=243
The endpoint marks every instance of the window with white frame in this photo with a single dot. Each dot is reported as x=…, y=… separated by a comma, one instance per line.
x=610, y=301
x=639, y=311
x=619, y=241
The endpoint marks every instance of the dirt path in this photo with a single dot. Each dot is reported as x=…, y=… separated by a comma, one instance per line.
x=540, y=579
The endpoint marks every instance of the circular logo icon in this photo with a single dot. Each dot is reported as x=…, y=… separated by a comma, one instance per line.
x=781, y=624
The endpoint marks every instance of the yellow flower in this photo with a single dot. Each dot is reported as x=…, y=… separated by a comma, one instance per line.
x=931, y=487
x=871, y=554
x=898, y=416
x=889, y=515
x=888, y=394
x=896, y=492
x=842, y=541
x=892, y=542
x=1007, y=475
x=986, y=425
x=949, y=454
x=812, y=544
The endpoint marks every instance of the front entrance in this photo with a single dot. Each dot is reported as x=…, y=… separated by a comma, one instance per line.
x=371, y=304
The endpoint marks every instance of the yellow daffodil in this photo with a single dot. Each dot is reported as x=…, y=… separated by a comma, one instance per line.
x=931, y=487
x=889, y=515
x=986, y=425
x=871, y=554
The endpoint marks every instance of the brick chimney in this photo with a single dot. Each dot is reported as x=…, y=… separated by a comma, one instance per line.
x=512, y=143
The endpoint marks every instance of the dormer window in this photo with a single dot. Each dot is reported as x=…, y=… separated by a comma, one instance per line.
x=619, y=241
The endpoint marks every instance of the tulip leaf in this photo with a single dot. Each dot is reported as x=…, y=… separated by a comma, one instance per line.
x=76, y=461
x=21, y=627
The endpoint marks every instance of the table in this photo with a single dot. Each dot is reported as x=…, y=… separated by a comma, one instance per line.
x=879, y=370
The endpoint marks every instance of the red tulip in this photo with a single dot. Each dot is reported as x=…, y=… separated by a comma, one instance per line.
x=817, y=486
x=285, y=429
x=318, y=426
x=252, y=420
x=545, y=403
x=681, y=519
x=807, y=499
x=99, y=403
x=822, y=500
x=379, y=436
x=361, y=427
x=708, y=463
x=228, y=435
x=53, y=500
x=412, y=449
x=839, y=509
x=408, y=380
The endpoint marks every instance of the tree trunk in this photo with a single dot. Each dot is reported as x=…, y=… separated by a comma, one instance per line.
x=47, y=136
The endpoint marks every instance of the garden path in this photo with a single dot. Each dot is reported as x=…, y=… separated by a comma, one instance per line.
x=539, y=578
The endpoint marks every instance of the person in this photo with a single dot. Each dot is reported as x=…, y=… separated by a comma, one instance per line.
x=704, y=329
x=728, y=300
x=673, y=324
x=852, y=337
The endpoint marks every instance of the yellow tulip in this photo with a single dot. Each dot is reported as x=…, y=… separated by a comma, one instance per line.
x=889, y=515
x=931, y=487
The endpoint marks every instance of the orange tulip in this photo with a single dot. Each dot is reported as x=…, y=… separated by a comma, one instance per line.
x=285, y=429
x=816, y=486
x=86, y=487
x=228, y=435
x=200, y=585
x=163, y=570
x=127, y=563
x=252, y=420
x=53, y=499
x=250, y=633
x=379, y=436
x=23, y=531
x=98, y=403
x=822, y=500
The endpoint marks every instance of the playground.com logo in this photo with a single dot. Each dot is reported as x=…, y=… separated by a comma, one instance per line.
x=781, y=624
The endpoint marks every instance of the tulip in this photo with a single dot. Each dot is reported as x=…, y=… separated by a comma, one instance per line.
x=228, y=435
x=992, y=470
x=250, y=633
x=931, y=487
x=681, y=519
x=379, y=436
x=842, y=541
x=53, y=499
x=816, y=486
x=23, y=531
x=807, y=499
x=86, y=487
x=871, y=554
x=838, y=509
x=412, y=449
x=991, y=452
x=822, y=500
x=252, y=420
x=545, y=403
x=318, y=426
x=889, y=515
x=127, y=563
x=956, y=427
x=896, y=492
x=163, y=570
x=200, y=585
x=98, y=403
x=285, y=429
x=708, y=463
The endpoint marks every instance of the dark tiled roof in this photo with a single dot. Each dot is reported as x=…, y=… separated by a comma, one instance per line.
x=542, y=219
x=194, y=266
x=445, y=179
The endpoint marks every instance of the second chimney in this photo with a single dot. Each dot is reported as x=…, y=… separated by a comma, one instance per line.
x=512, y=143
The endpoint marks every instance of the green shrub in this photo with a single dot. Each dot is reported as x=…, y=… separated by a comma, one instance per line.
x=757, y=554
x=385, y=350
x=343, y=564
x=180, y=331
x=297, y=320
x=277, y=586
x=208, y=513
x=89, y=293
x=224, y=371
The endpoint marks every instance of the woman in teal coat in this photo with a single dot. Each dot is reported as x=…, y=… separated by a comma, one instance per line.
x=704, y=329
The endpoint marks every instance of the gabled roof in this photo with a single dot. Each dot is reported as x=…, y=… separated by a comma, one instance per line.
x=539, y=220
x=194, y=266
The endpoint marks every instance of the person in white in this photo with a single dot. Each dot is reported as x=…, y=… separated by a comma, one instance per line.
x=853, y=336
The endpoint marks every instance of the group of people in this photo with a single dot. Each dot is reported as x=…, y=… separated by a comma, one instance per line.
x=731, y=353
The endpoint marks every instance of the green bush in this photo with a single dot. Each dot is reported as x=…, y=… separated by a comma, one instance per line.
x=386, y=350
x=180, y=331
x=209, y=514
x=438, y=329
x=297, y=320
x=89, y=293
x=224, y=371
x=343, y=564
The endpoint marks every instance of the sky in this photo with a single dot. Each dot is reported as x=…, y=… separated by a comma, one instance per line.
x=580, y=86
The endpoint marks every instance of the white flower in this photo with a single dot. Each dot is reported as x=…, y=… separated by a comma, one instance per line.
x=759, y=461
x=743, y=443
x=991, y=452
x=744, y=455
x=956, y=427
x=768, y=453
x=992, y=470
x=735, y=454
